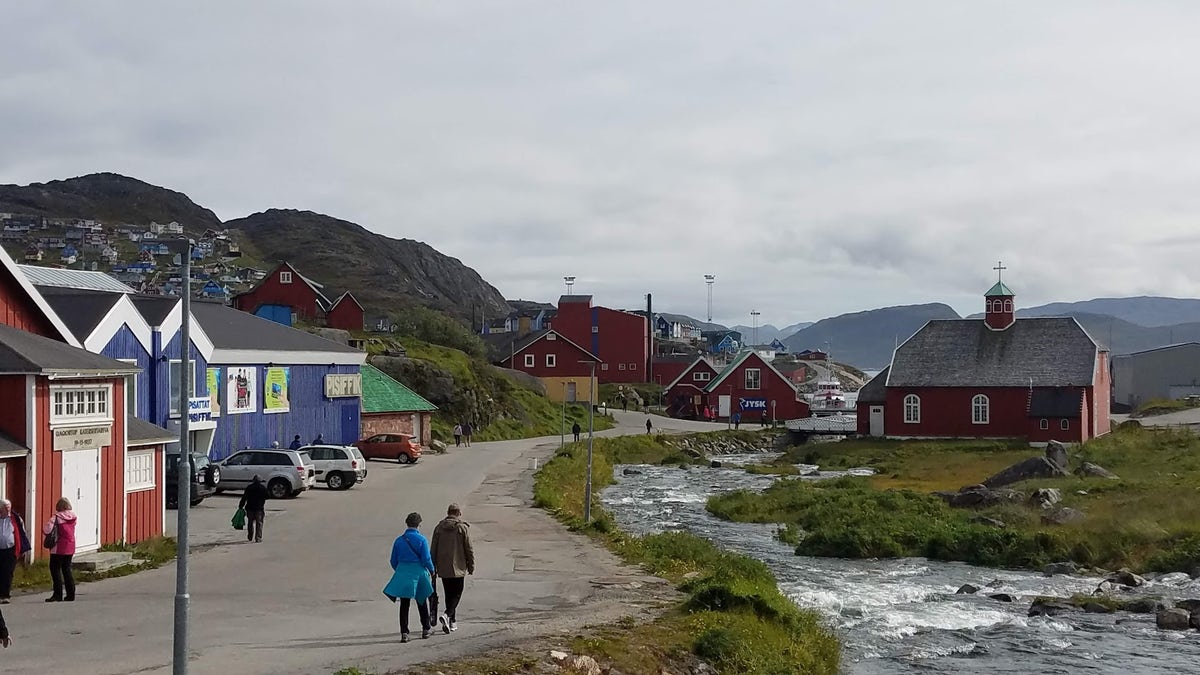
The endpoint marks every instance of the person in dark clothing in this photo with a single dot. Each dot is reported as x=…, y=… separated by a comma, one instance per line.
x=764, y=419
x=575, y=429
x=296, y=444
x=453, y=559
x=737, y=419
x=466, y=429
x=648, y=425
x=319, y=440
x=4, y=637
x=254, y=500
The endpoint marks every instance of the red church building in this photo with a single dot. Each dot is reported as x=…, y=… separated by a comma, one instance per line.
x=1039, y=379
x=286, y=296
x=619, y=339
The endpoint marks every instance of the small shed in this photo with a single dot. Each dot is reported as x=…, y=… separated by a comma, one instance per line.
x=390, y=407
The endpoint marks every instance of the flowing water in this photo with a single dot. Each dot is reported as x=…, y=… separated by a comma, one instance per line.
x=897, y=616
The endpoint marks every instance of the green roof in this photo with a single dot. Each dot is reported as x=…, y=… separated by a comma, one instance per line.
x=998, y=290
x=383, y=394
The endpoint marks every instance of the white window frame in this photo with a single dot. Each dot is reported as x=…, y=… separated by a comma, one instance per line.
x=1064, y=424
x=603, y=366
x=130, y=390
x=551, y=337
x=595, y=329
x=1044, y=424
x=1008, y=306
x=551, y=360
x=171, y=412
x=98, y=395
x=621, y=366
x=702, y=376
x=530, y=360
x=285, y=277
x=912, y=409
x=633, y=366
x=981, y=409
x=139, y=470
x=757, y=385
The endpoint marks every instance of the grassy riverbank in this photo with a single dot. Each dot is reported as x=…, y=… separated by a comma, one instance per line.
x=733, y=615
x=1147, y=520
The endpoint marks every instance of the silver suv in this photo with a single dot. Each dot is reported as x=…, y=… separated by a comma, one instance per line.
x=338, y=467
x=287, y=473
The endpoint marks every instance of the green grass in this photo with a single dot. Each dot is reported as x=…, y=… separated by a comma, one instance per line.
x=1162, y=406
x=149, y=554
x=1149, y=519
x=734, y=614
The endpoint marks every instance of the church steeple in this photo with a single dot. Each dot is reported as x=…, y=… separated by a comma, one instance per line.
x=999, y=312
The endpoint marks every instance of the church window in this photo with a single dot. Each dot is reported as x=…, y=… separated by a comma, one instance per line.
x=912, y=409
x=1044, y=424
x=980, y=409
x=1064, y=424
x=1008, y=306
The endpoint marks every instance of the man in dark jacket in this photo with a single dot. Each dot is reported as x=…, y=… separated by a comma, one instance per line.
x=254, y=500
x=296, y=444
x=575, y=429
x=14, y=547
x=453, y=560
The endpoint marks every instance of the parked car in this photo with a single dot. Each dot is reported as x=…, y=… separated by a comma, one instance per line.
x=205, y=476
x=338, y=467
x=399, y=447
x=287, y=473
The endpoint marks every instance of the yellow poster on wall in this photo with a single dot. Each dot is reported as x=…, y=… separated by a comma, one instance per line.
x=213, y=379
x=275, y=390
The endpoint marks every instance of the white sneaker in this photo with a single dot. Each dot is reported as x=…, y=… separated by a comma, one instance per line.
x=445, y=624
x=453, y=626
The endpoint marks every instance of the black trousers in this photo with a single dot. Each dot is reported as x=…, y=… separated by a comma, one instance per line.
x=422, y=611
x=60, y=572
x=8, y=564
x=453, y=588
x=254, y=525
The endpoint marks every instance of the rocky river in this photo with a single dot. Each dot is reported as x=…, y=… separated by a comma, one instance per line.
x=898, y=616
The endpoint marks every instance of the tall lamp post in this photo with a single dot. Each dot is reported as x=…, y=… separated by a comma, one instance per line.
x=710, y=279
x=570, y=282
x=587, y=486
x=563, y=433
x=754, y=314
x=184, y=500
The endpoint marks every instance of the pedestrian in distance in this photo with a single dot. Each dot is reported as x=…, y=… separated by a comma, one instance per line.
x=453, y=559
x=319, y=440
x=764, y=419
x=412, y=575
x=62, y=523
x=296, y=444
x=737, y=420
x=649, y=425
x=254, y=501
x=14, y=547
x=575, y=429
x=466, y=429
x=457, y=435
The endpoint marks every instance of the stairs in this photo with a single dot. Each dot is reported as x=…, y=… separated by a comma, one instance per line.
x=101, y=561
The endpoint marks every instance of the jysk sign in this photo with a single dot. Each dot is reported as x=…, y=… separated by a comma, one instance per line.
x=753, y=403
x=200, y=409
x=343, y=386
x=76, y=438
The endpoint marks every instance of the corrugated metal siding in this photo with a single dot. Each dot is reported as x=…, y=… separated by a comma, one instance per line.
x=124, y=345
x=311, y=413
x=145, y=507
x=160, y=383
x=19, y=311
x=66, y=278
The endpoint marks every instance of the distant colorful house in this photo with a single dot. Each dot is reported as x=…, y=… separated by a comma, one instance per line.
x=284, y=286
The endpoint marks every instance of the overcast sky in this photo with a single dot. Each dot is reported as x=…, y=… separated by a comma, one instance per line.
x=818, y=157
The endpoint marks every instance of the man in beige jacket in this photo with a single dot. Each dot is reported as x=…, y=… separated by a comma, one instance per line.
x=453, y=559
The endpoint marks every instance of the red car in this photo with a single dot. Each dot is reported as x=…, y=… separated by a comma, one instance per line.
x=399, y=447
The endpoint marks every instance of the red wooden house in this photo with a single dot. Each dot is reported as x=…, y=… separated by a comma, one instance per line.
x=564, y=367
x=63, y=426
x=284, y=293
x=1039, y=379
x=751, y=387
x=686, y=395
x=345, y=313
x=619, y=339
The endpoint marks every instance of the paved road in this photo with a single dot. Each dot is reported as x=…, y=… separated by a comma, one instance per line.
x=308, y=599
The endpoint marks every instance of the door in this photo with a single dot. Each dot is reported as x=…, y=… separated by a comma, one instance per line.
x=876, y=420
x=571, y=392
x=724, y=405
x=416, y=425
x=321, y=459
x=81, y=485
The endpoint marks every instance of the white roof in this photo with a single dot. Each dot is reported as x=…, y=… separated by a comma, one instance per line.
x=79, y=279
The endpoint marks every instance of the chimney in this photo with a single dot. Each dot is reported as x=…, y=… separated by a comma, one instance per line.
x=524, y=325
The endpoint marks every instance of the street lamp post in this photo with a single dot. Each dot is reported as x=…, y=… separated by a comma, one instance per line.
x=563, y=433
x=754, y=314
x=184, y=499
x=710, y=279
x=570, y=282
x=587, y=486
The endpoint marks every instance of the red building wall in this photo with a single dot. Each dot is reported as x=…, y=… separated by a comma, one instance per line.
x=774, y=388
x=346, y=315
x=1100, y=396
x=145, y=507
x=297, y=295
x=566, y=357
x=19, y=311
x=397, y=423
x=619, y=339
x=664, y=373
x=946, y=413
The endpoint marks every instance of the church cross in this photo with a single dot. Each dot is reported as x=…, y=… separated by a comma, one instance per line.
x=999, y=270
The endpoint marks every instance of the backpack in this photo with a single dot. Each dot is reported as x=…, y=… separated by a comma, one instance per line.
x=50, y=540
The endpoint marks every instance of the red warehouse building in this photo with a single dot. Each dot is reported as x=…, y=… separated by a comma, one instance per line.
x=285, y=295
x=620, y=340
x=563, y=366
x=751, y=386
x=668, y=368
x=1039, y=379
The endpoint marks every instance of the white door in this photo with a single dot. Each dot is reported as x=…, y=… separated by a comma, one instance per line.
x=876, y=420
x=724, y=404
x=572, y=392
x=81, y=485
x=416, y=424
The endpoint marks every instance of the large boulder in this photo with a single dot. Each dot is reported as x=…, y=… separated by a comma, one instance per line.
x=1034, y=467
x=1049, y=607
x=1060, y=568
x=1189, y=605
x=1143, y=606
x=1001, y=597
x=1062, y=516
x=966, y=589
x=1173, y=619
x=1094, y=607
x=1044, y=498
x=1089, y=470
x=978, y=495
x=1056, y=452
x=437, y=446
x=1125, y=577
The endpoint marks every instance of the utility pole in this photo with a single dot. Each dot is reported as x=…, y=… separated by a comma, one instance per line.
x=587, y=487
x=563, y=434
x=184, y=499
x=710, y=279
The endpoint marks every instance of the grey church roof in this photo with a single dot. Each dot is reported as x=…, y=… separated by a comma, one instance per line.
x=875, y=391
x=1032, y=352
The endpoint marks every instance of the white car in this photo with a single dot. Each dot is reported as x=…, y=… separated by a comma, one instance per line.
x=287, y=473
x=339, y=467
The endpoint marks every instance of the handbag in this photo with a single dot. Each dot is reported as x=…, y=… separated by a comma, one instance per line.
x=239, y=519
x=50, y=540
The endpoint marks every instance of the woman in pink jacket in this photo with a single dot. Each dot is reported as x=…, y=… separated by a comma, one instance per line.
x=62, y=552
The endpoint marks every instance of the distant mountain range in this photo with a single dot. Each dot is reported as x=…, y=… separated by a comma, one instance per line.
x=768, y=332
x=867, y=339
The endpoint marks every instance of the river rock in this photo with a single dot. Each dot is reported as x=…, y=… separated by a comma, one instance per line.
x=716, y=463
x=984, y=520
x=981, y=496
x=1060, y=568
x=1049, y=607
x=438, y=446
x=1097, y=608
x=1173, y=619
x=994, y=583
x=1143, y=605
x=630, y=472
x=966, y=589
x=1125, y=577
x=1062, y=516
x=1034, y=467
x=1056, y=452
x=1194, y=620
x=1089, y=470
x=1189, y=605
x=1104, y=588
x=1001, y=597
x=1045, y=497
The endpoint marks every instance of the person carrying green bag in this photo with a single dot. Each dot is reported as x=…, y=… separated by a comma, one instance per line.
x=239, y=519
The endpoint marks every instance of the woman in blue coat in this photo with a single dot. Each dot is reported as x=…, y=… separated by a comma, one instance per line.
x=410, y=581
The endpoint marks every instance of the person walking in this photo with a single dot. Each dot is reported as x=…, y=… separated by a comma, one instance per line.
x=412, y=574
x=63, y=550
x=649, y=425
x=296, y=444
x=254, y=501
x=575, y=429
x=453, y=559
x=457, y=435
x=737, y=420
x=319, y=440
x=14, y=546
x=466, y=429
x=5, y=639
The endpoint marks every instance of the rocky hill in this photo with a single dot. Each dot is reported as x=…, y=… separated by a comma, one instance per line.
x=108, y=197
x=385, y=274
x=867, y=339
x=1150, y=311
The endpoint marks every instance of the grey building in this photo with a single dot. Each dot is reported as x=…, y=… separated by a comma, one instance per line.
x=1171, y=372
